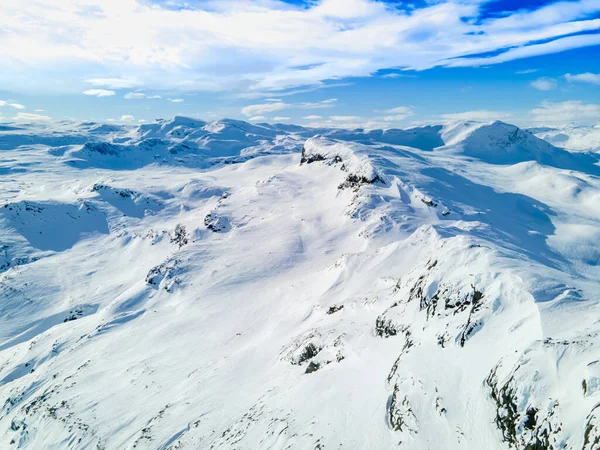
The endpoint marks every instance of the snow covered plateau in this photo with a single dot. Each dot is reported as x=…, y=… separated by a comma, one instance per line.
x=225, y=285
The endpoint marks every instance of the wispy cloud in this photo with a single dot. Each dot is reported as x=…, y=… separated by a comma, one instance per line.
x=176, y=100
x=398, y=75
x=593, y=78
x=13, y=105
x=134, y=95
x=344, y=118
x=99, y=92
x=265, y=108
x=139, y=96
x=544, y=84
x=398, y=113
x=253, y=110
x=258, y=119
x=526, y=71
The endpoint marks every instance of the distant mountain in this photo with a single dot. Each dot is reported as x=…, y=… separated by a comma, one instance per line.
x=571, y=138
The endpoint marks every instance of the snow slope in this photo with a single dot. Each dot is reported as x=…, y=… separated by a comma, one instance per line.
x=222, y=285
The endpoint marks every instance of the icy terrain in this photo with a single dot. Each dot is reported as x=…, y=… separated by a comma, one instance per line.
x=194, y=285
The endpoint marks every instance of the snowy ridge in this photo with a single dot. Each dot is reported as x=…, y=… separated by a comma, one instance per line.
x=263, y=287
x=356, y=163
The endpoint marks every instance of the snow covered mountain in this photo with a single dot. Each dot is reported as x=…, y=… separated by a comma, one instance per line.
x=572, y=138
x=223, y=285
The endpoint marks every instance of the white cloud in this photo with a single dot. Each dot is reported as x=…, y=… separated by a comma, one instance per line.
x=400, y=110
x=253, y=110
x=268, y=45
x=544, y=84
x=398, y=75
x=565, y=113
x=264, y=108
x=554, y=46
x=593, y=78
x=176, y=100
x=313, y=117
x=399, y=113
x=142, y=95
x=281, y=119
x=134, y=95
x=344, y=118
x=14, y=105
x=27, y=117
x=39, y=110
x=99, y=92
x=127, y=118
x=480, y=115
x=258, y=119
x=526, y=71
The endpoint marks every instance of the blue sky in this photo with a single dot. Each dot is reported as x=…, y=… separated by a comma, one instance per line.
x=321, y=62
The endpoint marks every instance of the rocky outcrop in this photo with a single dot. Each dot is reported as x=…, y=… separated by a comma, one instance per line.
x=216, y=223
x=348, y=157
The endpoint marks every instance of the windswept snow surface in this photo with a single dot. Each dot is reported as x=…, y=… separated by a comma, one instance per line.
x=194, y=285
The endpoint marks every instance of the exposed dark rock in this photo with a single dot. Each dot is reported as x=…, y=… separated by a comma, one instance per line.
x=310, y=351
x=216, y=224
x=312, y=367
x=408, y=344
x=472, y=324
x=400, y=413
x=314, y=157
x=429, y=202
x=179, y=236
x=438, y=404
x=386, y=328
x=354, y=182
x=524, y=430
x=165, y=275
x=73, y=315
x=334, y=309
x=531, y=420
x=125, y=193
x=507, y=418
x=591, y=434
